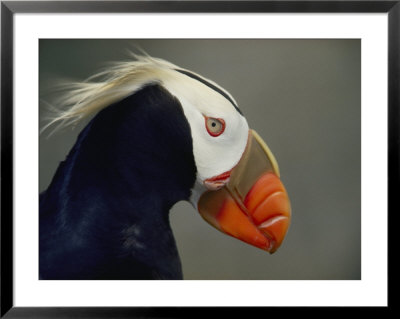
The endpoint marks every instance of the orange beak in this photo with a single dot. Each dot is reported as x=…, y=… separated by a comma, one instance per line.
x=257, y=213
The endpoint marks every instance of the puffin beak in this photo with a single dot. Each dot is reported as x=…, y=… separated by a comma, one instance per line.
x=249, y=202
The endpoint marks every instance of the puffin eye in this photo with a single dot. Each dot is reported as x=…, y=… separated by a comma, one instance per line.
x=215, y=127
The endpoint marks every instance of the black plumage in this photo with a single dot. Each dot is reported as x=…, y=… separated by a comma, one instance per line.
x=105, y=214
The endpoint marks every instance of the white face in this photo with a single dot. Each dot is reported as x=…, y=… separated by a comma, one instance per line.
x=219, y=131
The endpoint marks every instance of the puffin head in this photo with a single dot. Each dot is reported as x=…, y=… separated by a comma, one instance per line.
x=237, y=187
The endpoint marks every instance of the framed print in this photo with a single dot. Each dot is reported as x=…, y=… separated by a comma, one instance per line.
x=129, y=127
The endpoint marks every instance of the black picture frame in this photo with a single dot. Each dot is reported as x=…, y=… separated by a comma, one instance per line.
x=9, y=8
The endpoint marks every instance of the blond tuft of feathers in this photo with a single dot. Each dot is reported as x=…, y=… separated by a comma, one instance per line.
x=119, y=80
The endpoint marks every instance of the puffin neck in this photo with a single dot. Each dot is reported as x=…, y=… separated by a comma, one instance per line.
x=115, y=189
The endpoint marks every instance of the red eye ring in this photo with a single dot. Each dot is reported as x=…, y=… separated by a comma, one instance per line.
x=215, y=126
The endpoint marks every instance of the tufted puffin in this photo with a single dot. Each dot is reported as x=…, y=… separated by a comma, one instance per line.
x=158, y=134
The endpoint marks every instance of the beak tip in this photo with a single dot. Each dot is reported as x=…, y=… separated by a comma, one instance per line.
x=275, y=230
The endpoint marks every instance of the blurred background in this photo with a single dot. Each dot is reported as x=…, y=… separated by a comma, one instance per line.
x=302, y=96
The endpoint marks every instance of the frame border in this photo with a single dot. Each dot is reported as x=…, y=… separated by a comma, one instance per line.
x=9, y=8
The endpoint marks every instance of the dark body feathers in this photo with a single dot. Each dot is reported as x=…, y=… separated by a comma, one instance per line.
x=105, y=214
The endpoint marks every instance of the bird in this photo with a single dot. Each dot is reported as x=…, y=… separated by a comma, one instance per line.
x=156, y=134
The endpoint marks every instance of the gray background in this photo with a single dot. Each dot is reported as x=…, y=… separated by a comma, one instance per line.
x=303, y=97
